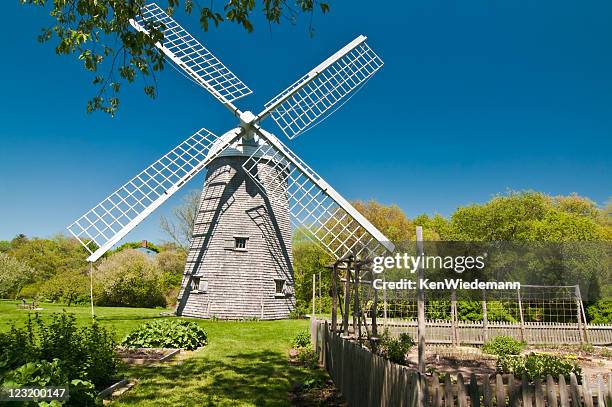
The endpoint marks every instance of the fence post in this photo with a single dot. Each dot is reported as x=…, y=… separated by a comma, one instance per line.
x=334, y=287
x=580, y=314
x=454, y=317
x=314, y=293
x=485, y=318
x=320, y=297
x=374, y=312
x=420, y=301
x=356, y=308
x=347, y=298
x=384, y=304
x=520, y=305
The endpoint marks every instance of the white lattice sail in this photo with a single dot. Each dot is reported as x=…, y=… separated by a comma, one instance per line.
x=190, y=55
x=310, y=100
x=315, y=207
x=106, y=223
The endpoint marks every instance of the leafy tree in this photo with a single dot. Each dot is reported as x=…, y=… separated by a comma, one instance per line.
x=172, y=261
x=504, y=218
x=68, y=287
x=577, y=205
x=137, y=245
x=434, y=228
x=5, y=246
x=390, y=220
x=98, y=33
x=172, y=265
x=14, y=274
x=50, y=256
x=309, y=259
x=128, y=279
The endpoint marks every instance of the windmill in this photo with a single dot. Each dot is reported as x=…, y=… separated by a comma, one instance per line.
x=256, y=189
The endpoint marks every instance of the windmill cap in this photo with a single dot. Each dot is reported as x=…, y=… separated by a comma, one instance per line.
x=240, y=148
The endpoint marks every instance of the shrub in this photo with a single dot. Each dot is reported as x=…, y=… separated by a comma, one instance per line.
x=55, y=352
x=503, y=345
x=307, y=357
x=168, y=333
x=31, y=291
x=302, y=339
x=130, y=279
x=537, y=365
x=600, y=312
x=69, y=287
x=42, y=373
x=395, y=349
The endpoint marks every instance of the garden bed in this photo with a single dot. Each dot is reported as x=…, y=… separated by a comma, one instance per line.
x=143, y=356
x=468, y=360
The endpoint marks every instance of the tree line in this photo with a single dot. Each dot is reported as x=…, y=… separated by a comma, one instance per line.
x=55, y=269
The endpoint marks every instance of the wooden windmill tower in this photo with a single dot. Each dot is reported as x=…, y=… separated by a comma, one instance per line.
x=256, y=189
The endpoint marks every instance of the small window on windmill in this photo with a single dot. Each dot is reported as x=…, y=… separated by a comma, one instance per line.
x=240, y=242
x=198, y=285
x=280, y=287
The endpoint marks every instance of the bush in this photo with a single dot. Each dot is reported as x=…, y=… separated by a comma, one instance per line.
x=302, y=339
x=600, y=312
x=69, y=287
x=537, y=365
x=503, y=345
x=42, y=373
x=169, y=333
x=56, y=352
x=129, y=279
x=395, y=349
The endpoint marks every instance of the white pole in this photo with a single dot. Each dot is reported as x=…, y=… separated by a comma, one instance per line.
x=91, y=288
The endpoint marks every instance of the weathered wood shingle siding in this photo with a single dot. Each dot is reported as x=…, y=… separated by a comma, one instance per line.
x=241, y=284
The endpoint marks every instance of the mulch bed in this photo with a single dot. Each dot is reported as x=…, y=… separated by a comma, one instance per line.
x=324, y=394
x=327, y=395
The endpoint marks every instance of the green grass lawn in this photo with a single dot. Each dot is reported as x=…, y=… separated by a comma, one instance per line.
x=245, y=363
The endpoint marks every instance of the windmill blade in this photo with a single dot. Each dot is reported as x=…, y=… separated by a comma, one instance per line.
x=109, y=221
x=315, y=207
x=309, y=100
x=192, y=57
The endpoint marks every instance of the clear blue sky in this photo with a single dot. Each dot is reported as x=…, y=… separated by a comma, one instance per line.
x=475, y=98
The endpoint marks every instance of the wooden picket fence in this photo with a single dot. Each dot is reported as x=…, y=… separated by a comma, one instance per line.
x=476, y=332
x=366, y=379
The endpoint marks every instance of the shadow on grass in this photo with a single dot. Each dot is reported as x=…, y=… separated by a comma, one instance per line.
x=261, y=378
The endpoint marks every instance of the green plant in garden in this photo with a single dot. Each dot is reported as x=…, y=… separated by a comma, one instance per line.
x=600, y=312
x=307, y=357
x=302, y=339
x=503, y=345
x=395, y=349
x=172, y=333
x=56, y=353
x=538, y=365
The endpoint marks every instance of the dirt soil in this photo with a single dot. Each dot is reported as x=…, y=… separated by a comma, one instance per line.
x=327, y=395
x=468, y=360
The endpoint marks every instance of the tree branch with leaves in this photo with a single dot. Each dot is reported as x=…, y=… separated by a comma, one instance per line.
x=98, y=33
